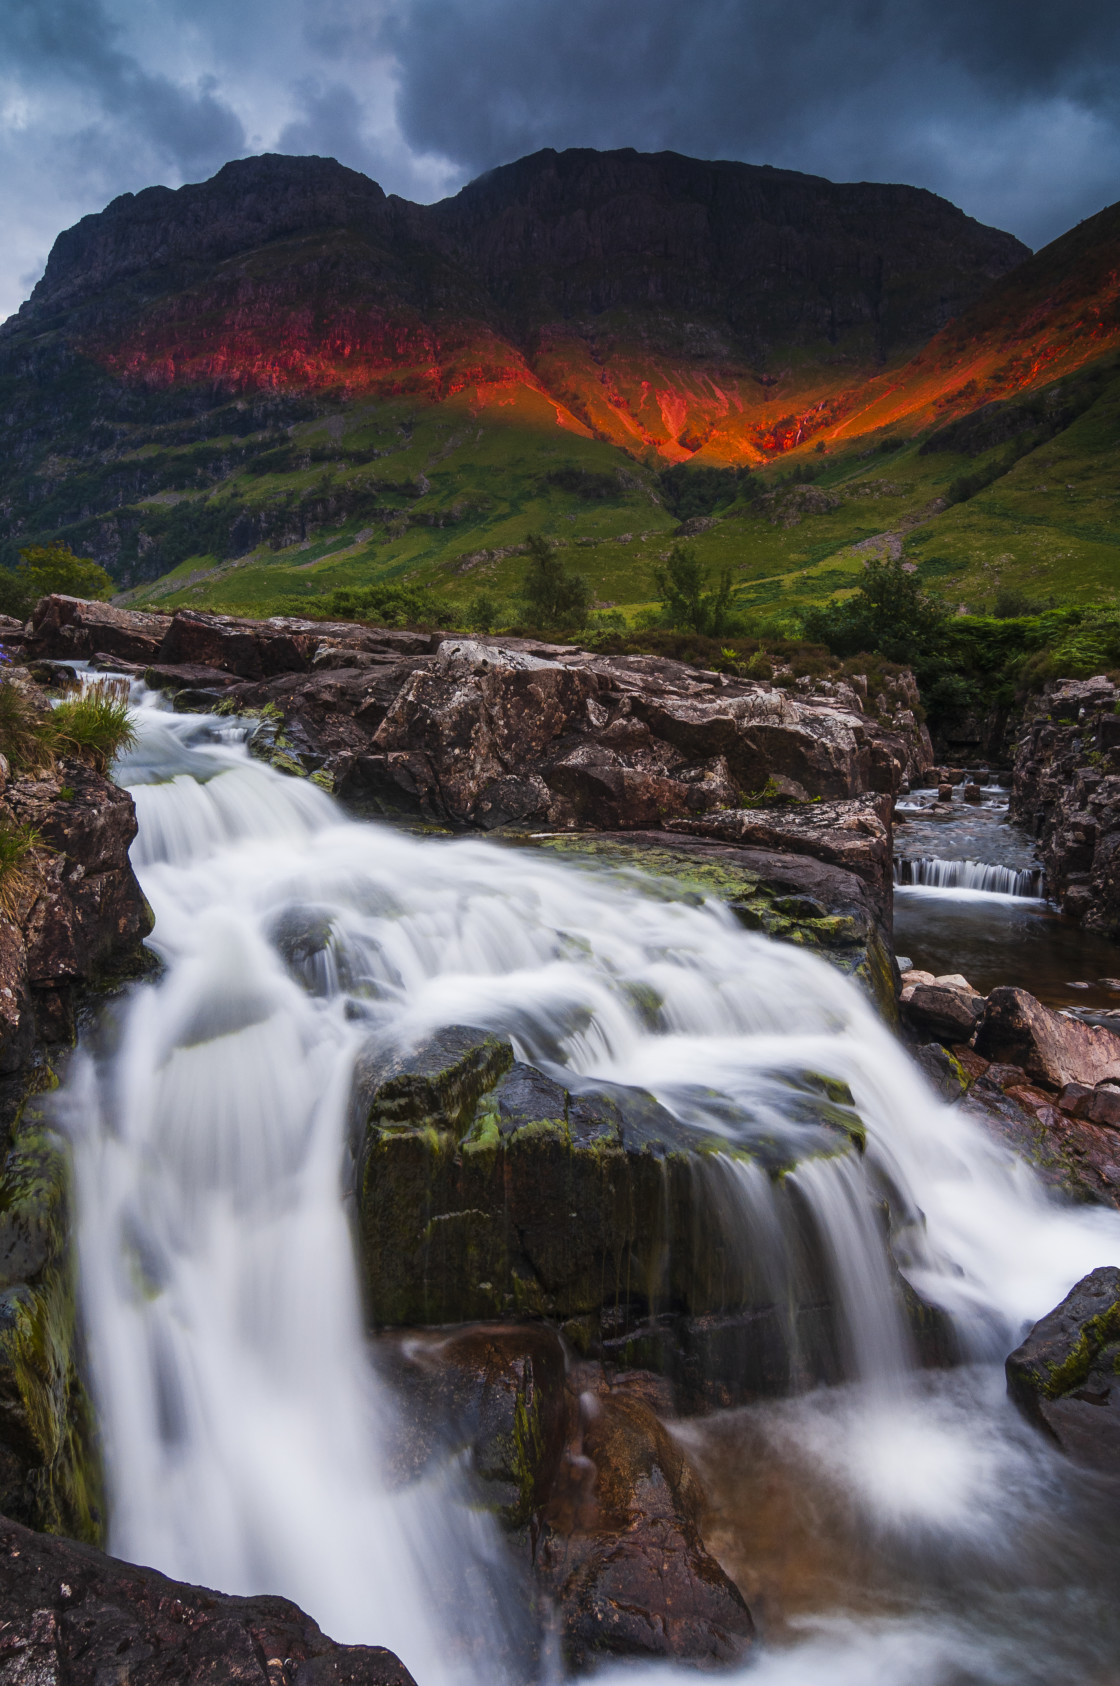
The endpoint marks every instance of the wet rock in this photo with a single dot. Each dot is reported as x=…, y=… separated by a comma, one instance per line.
x=487, y=1189
x=621, y=1549
x=854, y=834
x=1056, y=1050
x=795, y=898
x=1098, y=1106
x=1066, y=1374
x=69, y=1613
x=1078, y=1159
x=942, y=1011
x=944, y=1070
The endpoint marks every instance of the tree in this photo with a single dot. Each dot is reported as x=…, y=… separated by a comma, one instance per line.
x=687, y=603
x=554, y=597
x=890, y=615
x=43, y=569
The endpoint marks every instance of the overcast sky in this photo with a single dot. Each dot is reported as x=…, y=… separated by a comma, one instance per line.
x=1011, y=108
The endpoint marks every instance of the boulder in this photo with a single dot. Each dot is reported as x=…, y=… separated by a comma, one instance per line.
x=600, y=1506
x=69, y=1613
x=1066, y=1374
x=1056, y=1050
x=486, y=1189
x=621, y=1550
x=943, y=1011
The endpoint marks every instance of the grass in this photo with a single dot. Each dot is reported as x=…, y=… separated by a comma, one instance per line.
x=27, y=731
x=17, y=842
x=95, y=726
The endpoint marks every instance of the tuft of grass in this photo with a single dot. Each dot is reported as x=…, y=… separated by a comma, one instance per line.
x=16, y=843
x=95, y=726
x=27, y=732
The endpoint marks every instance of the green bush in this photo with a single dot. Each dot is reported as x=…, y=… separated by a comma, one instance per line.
x=890, y=614
x=95, y=725
x=377, y=605
x=689, y=603
x=43, y=569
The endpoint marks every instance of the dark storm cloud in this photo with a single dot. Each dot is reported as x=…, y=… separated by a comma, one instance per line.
x=1011, y=108
x=1014, y=104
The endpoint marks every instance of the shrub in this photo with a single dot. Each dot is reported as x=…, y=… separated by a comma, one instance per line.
x=16, y=844
x=555, y=598
x=377, y=605
x=96, y=726
x=27, y=732
x=890, y=614
x=688, y=602
x=43, y=569
x=482, y=612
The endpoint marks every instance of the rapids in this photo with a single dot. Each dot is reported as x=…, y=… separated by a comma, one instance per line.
x=890, y=1530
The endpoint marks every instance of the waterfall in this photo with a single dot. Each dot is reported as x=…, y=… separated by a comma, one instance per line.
x=931, y=872
x=241, y=1419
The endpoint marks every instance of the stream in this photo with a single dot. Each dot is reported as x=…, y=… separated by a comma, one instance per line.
x=904, y=1527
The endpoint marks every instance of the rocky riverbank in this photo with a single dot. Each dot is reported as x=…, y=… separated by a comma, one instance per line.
x=1066, y=790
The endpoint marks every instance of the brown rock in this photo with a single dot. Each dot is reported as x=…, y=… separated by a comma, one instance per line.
x=68, y=1612
x=1098, y=1106
x=69, y=626
x=942, y=1011
x=1019, y=1030
x=621, y=1549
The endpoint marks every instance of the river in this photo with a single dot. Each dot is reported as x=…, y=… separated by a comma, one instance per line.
x=904, y=1527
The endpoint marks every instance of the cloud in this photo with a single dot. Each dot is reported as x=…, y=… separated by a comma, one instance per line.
x=1011, y=108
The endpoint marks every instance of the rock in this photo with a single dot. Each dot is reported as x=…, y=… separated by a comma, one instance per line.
x=79, y=914
x=596, y=1498
x=1066, y=1374
x=854, y=834
x=1056, y=1050
x=1066, y=789
x=794, y=898
x=71, y=1614
x=972, y=793
x=69, y=626
x=486, y=1189
x=1098, y=1106
x=944, y=1070
x=943, y=1011
x=1078, y=1159
x=621, y=1550
x=944, y=793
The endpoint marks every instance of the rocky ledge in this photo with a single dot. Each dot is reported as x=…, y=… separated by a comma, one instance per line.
x=1067, y=791
x=1043, y=1082
x=1066, y=1374
x=489, y=732
x=69, y=1613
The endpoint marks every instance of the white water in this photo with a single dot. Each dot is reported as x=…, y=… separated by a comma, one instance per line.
x=241, y=1421
x=931, y=872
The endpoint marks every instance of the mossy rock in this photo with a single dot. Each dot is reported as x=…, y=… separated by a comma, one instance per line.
x=488, y=1189
x=1066, y=1374
x=50, y=1471
x=845, y=936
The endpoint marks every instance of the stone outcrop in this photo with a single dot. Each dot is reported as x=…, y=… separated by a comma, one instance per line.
x=487, y=1189
x=1066, y=1374
x=69, y=1613
x=497, y=732
x=599, y=1503
x=1066, y=789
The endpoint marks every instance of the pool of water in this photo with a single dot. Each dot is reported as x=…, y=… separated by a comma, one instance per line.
x=994, y=939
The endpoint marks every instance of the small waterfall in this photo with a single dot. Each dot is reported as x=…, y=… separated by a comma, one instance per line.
x=241, y=1420
x=931, y=872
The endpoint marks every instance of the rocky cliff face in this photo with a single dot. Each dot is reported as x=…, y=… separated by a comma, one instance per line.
x=1067, y=790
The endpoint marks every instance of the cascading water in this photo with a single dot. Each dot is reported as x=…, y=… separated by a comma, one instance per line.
x=241, y=1419
x=933, y=873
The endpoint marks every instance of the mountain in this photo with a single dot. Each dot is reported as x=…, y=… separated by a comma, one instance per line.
x=282, y=379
